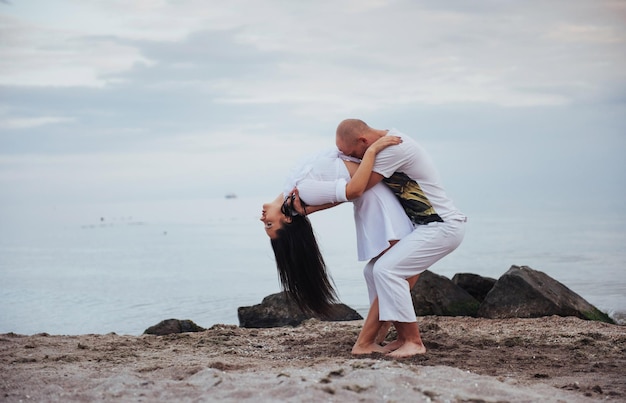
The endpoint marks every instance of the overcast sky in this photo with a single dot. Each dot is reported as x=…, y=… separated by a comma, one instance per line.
x=521, y=103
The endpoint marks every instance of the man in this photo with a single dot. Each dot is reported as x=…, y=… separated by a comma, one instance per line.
x=439, y=228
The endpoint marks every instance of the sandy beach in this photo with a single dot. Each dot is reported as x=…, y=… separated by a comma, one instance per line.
x=468, y=359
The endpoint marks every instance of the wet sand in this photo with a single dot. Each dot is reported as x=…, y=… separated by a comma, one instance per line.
x=468, y=359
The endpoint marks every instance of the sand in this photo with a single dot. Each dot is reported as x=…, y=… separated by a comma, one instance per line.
x=468, y=359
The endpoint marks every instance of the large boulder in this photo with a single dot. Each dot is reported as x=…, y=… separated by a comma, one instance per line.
x=526, y=293
x=170, y=326
x=279, y=310
x=477, y=286
x=437, y=295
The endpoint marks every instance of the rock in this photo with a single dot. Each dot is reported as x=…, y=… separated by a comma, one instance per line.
x=437, y=295
x=475, y=285
x=279, y=310
x=526, y=293
x=170, y=326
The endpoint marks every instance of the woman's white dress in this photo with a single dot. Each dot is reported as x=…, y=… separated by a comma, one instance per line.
x=378, y=215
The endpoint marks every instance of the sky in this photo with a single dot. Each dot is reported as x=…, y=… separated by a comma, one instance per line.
x=521, y=104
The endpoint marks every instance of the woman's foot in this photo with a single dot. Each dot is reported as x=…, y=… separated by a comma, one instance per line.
x=382, y=332
x=394, y=345
x=367, y=349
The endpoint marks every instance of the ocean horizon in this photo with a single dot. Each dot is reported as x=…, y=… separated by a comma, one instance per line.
x=125, y=267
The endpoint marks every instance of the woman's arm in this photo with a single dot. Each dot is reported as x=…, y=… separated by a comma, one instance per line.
x=375, y=177
x=361, y=178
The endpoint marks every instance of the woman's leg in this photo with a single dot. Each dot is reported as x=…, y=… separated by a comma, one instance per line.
x=365, y=343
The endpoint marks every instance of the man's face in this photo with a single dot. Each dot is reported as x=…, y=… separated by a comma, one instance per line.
x=354, y=148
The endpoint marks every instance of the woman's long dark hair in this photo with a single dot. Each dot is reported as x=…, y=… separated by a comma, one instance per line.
x=301, y=267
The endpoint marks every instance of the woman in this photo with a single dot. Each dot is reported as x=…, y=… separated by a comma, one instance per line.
x=323, y=181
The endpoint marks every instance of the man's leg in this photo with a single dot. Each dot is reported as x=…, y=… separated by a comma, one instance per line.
x=385, y=326
x=412, y=255
x=412, y=344
x=394, y=345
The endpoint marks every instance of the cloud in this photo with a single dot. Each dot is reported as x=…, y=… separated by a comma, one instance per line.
x=32, y=122
x=272, y=54
x=153, y=97
x=43, y=56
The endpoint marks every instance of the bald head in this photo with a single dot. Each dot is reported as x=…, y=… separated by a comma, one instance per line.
x=351, y=129
x=354, y=136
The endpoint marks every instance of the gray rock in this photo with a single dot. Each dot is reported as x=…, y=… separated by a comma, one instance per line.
x=437, y=295
x=170, y=326
x=526, y=293
x=279, y=310
x=475, y=285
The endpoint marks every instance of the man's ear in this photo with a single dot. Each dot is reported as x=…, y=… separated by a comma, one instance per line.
x=366, y=142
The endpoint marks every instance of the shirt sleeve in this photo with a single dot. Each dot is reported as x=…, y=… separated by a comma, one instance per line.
x=390, y=160
x=315, y=192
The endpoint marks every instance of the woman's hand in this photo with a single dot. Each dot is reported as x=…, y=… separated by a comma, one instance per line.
x=384, y=142
x=363, y=175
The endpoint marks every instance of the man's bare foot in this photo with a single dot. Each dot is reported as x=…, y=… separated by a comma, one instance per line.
x=367, y=349
x=408, y=349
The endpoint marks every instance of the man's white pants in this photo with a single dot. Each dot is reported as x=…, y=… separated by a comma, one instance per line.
x=386, y=275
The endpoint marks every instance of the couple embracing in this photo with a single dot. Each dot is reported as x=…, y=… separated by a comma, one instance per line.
x=404, y=223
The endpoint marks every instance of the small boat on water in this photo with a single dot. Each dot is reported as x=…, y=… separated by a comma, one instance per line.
x=231, y=196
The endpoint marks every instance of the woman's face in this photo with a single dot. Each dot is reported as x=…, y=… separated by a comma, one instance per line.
x=272, y=216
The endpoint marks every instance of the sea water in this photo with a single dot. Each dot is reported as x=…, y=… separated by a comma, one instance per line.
x=122, y=268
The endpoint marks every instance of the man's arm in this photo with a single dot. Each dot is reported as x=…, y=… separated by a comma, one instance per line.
x=312, y=209
x=300, y=208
